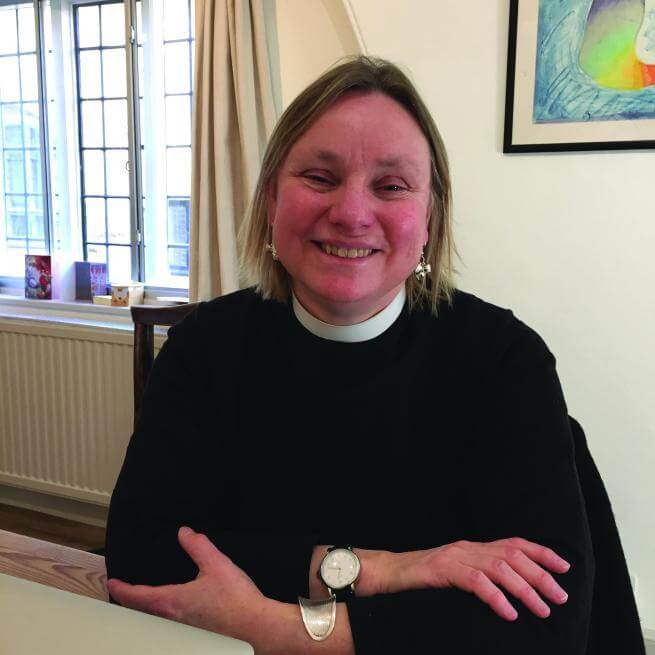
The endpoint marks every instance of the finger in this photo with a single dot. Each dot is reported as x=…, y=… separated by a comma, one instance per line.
x=476, y=582
x=543, y=555
x=200, y=549
x=502, y=573
x=537, y=577
x=153, y=600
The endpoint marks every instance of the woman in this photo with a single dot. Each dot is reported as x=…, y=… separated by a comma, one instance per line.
x=354, y=398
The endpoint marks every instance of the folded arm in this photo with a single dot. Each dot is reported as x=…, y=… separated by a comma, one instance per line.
x=177, y=472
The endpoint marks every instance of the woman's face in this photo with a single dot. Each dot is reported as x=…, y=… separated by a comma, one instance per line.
x=350, y=207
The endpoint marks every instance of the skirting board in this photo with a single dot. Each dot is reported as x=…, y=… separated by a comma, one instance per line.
x=65, y=508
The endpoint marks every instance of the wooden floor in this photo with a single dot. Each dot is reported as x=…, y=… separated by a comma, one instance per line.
x=51, y=528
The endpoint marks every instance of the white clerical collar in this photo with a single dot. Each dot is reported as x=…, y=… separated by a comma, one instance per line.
x=368, y=329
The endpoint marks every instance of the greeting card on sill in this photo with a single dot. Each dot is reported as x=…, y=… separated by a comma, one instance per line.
x=90, y=280
x=38, y=277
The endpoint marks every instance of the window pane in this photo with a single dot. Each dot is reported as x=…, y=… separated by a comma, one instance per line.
x=14, y=173
x=31, y=124
x=95, y=219
x=178, y=261
x=94, y=172
x=178, y=221
x=176, y=58
x=118, y=182
x=28, y=71
x=118, y=218
x=96, y=253
x=10, y=87
x=35, y=218
x=26, y=39
x=120, y=264
x=33, y=170
x=178, y=171
x=115, y=123
x=176, y=19
x=113, y=24
x=92, y=124
x=178, y=120
x=114, y=73
x=88, y=22
x=11, y=122
x=90, y=86
x=8, y=34
x=17, y=221
x=15, y=203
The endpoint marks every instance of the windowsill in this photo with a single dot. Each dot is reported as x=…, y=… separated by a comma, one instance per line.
x=65, y=312
x=69, y=312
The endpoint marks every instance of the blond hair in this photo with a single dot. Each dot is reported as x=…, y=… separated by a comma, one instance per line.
x=361, y=74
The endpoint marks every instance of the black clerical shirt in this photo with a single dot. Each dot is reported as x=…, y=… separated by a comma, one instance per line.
x=271, y=440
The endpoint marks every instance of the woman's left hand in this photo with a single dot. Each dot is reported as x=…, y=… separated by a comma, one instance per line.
x=222, y=598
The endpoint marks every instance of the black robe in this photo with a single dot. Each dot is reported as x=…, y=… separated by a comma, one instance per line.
x=271, y=440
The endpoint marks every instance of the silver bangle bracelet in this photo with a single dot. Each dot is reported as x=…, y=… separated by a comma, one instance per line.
x=319, y=616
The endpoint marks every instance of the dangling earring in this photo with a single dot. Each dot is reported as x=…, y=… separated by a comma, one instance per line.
x=423, y=269
x=271, y=248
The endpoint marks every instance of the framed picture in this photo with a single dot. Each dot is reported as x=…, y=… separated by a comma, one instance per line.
x=580, y=75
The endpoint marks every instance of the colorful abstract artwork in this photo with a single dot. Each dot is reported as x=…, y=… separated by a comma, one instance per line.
x=618, y=48
x=580, y=75
x=595, y=60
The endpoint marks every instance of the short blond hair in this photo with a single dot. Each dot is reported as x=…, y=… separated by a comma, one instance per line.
x=359, y=74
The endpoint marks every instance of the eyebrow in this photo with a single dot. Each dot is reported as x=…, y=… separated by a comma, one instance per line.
x=384, y=162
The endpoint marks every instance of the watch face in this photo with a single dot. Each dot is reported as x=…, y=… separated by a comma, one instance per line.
x=339, y=568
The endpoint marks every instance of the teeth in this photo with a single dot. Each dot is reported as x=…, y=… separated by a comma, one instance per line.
x=350, y=253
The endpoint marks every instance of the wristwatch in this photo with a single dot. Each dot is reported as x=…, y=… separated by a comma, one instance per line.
x=339, y=571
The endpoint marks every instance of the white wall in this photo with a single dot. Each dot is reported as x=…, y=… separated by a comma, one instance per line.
x=565, y=240
x=312, y=35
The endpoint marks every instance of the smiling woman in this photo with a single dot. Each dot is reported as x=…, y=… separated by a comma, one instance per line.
x=353, y=429
x=350, y=206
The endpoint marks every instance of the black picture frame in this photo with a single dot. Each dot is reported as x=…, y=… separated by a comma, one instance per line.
x=522, y=39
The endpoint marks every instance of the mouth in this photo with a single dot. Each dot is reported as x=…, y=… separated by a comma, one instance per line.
x=345, y=253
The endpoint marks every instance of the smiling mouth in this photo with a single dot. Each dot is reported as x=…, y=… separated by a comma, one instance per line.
x=346, y=253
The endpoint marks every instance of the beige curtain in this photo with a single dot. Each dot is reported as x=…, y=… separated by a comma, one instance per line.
x=234, y=114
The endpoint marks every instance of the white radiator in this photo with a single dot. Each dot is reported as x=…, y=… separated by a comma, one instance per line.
x=66, y=407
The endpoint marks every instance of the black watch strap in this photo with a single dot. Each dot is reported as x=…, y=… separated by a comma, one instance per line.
x=344, y=594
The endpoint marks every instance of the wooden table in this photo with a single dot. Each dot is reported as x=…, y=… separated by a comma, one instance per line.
x=53, y=565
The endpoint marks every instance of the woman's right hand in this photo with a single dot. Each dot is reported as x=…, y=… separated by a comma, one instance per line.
x=516, y=565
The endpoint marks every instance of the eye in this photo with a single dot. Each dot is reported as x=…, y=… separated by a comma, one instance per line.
x=317, y=178
x=392, y=186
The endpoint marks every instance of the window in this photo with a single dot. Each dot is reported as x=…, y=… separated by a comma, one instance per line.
x=112, y=92
x=23, y=223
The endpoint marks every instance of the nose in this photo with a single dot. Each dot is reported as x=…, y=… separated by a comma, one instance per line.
x=351, y=209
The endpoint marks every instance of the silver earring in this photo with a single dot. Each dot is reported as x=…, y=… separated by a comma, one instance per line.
x=271, y=248
x=423, y=269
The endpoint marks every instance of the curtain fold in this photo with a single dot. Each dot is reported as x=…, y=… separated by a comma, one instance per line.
x=233, y=115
